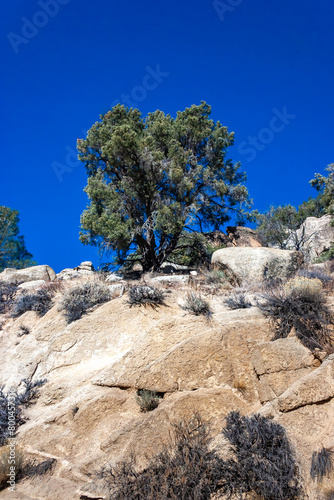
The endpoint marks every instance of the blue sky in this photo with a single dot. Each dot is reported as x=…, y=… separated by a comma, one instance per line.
x=266, y=68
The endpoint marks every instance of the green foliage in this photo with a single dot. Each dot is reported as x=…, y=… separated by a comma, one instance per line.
x=327, y=255
x=192, y=250
x=278, y=227
x=13, y=252
x=216, y=277
x=150, y=178
x=147, y=400
x=325, y=186
x=77, y=300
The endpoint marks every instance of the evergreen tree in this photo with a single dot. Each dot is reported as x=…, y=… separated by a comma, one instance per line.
x=13, y=252
x=152, y=179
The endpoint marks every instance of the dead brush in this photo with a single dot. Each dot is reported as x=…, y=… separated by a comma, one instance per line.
x=322, y=464
x=196, y=304
x=78, y=299
x=145, y=295
x=301, y=305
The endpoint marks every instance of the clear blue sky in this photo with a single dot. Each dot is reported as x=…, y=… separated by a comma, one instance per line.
x=266, y=68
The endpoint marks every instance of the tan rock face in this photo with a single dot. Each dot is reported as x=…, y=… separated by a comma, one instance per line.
x=87, y=414
x=249, y=264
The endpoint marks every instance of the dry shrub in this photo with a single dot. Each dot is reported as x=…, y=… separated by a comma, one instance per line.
x=321, y=464
x=16, y=402
x=185, y=469
x=78, y=299
x=40, y=302
x=195, y=304
x=7, y=294
x=189, y=468
x=147, y=400
x=263, y=460
x=238, y=300
x=145, y=295
x=300, y=304
x=315, y=273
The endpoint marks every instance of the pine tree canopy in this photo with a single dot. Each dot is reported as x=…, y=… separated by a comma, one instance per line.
x=152, y=179
x=13, y=252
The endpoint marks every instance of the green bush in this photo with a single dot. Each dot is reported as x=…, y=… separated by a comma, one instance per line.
x=327, y=255
x=77, y=300
x=216, y=277
x=147, y=400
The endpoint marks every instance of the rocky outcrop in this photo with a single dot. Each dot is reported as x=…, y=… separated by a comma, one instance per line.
x=240, y=236
x=85, y=269
x=87, y=416
x=18, y=276
x=316, y=235
x=249, y=264
x=237, y=236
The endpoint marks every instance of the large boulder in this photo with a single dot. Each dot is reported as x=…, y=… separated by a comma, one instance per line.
x=18, y=276
x=317, y=235
x=249, y=264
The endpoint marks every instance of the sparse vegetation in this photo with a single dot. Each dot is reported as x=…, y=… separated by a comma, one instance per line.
x=314, y=273
x=147, y=400
x=185, y=469
x=24, y=330
x=300, y=304
x=189, y=468
x=13, y=404
x=40, y=302
x=78, y=299
x=238, y=300
x=216, y=277
x=7, y=294
x=195, y=304
x=322, y=464
x=145, y=295
x=263, y=462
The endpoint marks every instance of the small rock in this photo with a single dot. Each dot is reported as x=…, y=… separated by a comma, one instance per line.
x=176, y=278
